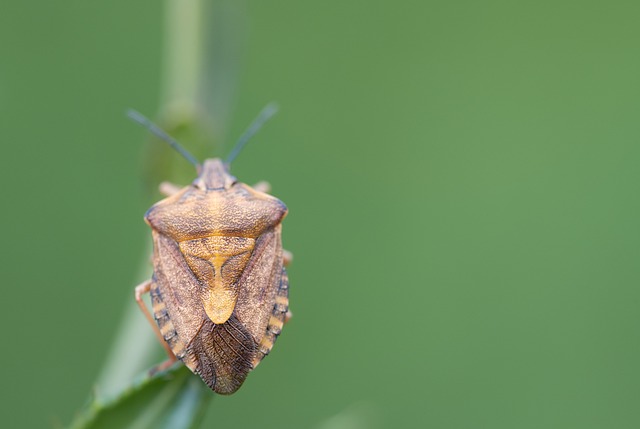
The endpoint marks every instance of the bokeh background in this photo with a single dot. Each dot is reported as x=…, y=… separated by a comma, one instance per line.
x=462, y=179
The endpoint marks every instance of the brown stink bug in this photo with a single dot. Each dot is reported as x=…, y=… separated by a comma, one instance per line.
x=219, y=289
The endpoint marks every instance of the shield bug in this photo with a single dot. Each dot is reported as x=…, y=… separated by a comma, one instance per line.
x=219, y=289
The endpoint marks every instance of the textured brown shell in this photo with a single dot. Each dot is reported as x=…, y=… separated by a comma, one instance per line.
x=219, y=289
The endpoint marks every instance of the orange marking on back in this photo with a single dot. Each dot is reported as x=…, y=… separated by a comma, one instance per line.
x=167, y=328
x=276, y=323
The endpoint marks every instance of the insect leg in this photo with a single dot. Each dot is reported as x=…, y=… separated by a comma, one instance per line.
x=287, y=257
x=168, y=189
x=140, y=290
x=262, y=187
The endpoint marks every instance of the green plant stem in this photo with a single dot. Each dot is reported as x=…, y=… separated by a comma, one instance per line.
x=182, y=58
x=134, y=348
x=190, y=104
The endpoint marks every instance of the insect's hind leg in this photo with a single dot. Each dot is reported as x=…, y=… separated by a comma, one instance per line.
x=140, y=290
x=287, y=257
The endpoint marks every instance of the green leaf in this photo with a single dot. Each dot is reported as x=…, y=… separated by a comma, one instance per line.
x=170, y=399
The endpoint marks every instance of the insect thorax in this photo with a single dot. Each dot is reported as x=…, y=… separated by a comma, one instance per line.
x=218, y=262
x=216, y=231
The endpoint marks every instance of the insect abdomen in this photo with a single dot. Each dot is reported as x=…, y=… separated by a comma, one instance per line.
x=276, y=321
x=167, y=329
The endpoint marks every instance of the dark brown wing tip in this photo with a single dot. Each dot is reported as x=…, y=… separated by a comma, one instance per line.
x=223, y=355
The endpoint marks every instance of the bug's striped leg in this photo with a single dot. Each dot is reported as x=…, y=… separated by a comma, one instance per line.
x=168, y=189
x=262, y=187
x=140, y=290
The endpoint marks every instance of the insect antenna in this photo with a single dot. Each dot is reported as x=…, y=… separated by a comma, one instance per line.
x=158, y=132
x=264, y=115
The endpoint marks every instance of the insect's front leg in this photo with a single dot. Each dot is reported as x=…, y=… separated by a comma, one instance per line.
x=168, y=189
x=287, y=257
x=140, y=290
x=263, y=186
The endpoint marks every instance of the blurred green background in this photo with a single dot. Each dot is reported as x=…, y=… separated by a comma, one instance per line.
x=462, y=179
